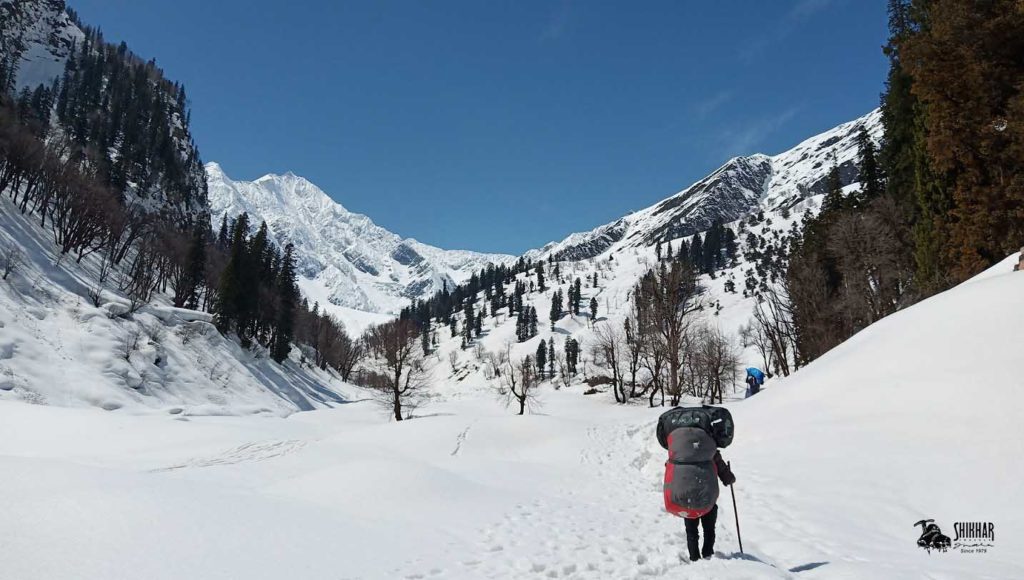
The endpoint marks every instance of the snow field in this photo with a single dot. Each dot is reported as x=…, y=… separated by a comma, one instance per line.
x=834, y=465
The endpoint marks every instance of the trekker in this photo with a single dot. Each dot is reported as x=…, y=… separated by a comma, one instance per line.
x=755, y=378
x=707, y=521
x=752, y=387
x=692, y=437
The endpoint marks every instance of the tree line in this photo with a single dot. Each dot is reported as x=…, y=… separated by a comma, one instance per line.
x=940, y=200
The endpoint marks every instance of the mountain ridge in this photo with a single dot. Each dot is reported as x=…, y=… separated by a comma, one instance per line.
x=740, y=186
x=344, y=257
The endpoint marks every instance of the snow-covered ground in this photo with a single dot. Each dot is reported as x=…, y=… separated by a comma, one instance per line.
x=913, y=418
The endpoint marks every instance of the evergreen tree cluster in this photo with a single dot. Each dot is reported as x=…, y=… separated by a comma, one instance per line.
x=715, y=250
x=572, y=355
x=258, y=296
x=136, y=120
x=942, y=198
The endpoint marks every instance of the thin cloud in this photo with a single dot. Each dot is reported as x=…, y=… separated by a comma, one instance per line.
x=703, y=108
x=748, y=139
x=793, y=19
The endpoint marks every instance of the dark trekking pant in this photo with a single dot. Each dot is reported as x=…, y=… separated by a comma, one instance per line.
x=706, y=521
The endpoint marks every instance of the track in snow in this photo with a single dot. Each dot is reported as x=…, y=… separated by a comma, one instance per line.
x=606, y=522
x=256, y=451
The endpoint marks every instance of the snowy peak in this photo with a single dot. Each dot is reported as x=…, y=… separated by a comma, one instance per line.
x=347, y=261
x=734, y=190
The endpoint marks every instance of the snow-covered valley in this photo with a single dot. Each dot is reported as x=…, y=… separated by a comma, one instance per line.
x=172, y=400
x=834, y=465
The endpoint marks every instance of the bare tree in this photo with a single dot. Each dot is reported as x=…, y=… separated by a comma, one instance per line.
x=634, y=349
x=671, y=294
x=396, y=357
x=774, y=317
x=11, y=259
x=95, y=291
x=654, y=363
x=715, y=363
x=347, y=353
x=753, y=334
x=453, y=360
x=564, y=377
x=130, y=343
x=608, y=352
x=141, y=279
x=519, y=380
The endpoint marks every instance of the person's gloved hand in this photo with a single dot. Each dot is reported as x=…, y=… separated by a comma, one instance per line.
x=728, y=478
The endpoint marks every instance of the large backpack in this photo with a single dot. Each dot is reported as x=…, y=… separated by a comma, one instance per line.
x=692, y=436
x=716, y=421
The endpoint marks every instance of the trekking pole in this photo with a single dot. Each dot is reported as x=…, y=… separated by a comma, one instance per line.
x=736, y=512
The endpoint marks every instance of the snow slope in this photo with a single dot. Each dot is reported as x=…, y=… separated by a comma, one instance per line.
x=346, y=260
x=742, y=186
x=39, y=34
x=57, y=348
x=913, y=418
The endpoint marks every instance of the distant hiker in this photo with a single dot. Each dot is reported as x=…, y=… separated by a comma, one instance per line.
x=755, y=378
x=692, y=436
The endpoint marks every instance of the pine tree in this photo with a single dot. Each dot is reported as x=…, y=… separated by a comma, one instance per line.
x=425, y=337
x=730, y=246
x=556, y=308
x=593, y=309
x=229, y=294
x=577, y=296
x=468, y=323
x=222, y=236
x=871, y=181
x=196, y=268
x=833, y=200
x=539, y=270
x=696, y=251
x=533, y=323
x=551, y=357
x=288, y=297
x=542, y=357
x=572, y=354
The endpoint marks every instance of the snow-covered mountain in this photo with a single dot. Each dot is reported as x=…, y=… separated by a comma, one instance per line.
x=344, y=258
x=741, y=186
x=37, y=36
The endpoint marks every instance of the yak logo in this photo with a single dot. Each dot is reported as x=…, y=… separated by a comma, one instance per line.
x=932, y=537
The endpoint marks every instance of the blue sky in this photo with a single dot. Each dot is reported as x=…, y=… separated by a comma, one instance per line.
x=501, y=125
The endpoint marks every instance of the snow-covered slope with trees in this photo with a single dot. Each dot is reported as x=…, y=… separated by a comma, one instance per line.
x=906, y=421
x=346, y=260
x=69, y=337
x=740, y=187
x=36, y=37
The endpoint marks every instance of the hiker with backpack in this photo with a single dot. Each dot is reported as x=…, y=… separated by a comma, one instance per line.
x=693, y=436
x=755, y=378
